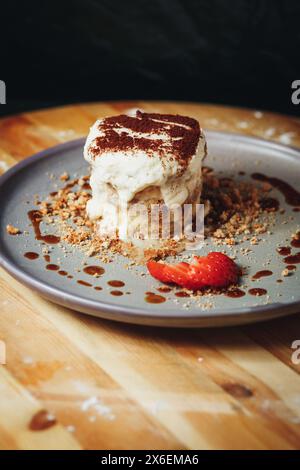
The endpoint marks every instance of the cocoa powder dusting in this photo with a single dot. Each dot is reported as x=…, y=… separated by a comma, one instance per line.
x=182, y=134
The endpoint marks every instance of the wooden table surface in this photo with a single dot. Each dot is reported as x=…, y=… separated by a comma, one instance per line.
x=114, y=386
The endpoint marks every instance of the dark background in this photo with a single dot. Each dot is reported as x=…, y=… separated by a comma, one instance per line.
x=238, y=52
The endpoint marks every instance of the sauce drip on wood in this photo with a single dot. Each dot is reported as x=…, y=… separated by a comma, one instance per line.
x=42, y=420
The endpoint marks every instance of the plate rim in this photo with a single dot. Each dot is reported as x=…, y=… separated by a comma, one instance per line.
x=138, y=315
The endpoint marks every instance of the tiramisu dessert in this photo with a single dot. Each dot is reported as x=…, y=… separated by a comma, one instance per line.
x=146, y=159
x=143, y=158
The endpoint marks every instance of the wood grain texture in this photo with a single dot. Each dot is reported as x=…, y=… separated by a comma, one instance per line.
x=114, y=386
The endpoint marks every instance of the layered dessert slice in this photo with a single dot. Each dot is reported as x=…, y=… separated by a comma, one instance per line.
x=144, y=158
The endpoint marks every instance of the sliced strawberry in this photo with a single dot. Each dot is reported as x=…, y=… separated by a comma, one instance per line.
x=176, y=274
x=216, y=269
x=158, y=270
x=213, y=270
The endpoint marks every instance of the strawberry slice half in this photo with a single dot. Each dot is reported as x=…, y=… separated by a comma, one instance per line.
x=213, y=270
x=169, y=273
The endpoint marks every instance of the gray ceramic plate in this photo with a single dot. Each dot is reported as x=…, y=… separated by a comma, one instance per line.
x=228, y=154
